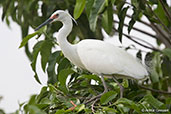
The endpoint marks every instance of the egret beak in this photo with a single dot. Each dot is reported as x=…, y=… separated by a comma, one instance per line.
x=44, y=23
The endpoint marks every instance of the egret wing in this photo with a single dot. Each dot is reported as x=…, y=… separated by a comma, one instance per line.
x=101, y=57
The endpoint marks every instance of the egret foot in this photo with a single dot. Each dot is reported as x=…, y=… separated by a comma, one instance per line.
x=98, y=96
x=74, y=105
x=120, y=86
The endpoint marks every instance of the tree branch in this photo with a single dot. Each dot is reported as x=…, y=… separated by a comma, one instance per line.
x=161, y=36
x=137, y=29
x=154, y=90
x=129, y=37
x=143, y=41
x=141, y=21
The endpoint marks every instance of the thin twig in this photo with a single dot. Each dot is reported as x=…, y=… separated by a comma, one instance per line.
x=129, y=37
x=92, y=106
x=143, y=41
x=154, y=90
x=164, y=38
x=94, y=98
x=141, y=21
x=137, y=29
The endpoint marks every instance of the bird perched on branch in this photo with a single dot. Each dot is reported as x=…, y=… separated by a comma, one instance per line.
x=96, y=56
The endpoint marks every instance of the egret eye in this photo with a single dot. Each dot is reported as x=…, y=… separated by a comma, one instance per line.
x=57, y=14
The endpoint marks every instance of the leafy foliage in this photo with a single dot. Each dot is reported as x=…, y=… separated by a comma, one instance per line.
x=67, y=85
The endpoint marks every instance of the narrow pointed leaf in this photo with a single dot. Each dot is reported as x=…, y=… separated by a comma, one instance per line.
x=159, y=11
x=27, y=38
x=133, y=19
x=36, y=50
x=97, y=6
x=79, y=7
x=121, y=16
x=88, y=7
x=107, y=20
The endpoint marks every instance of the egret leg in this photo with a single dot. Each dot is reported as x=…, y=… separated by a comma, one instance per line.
x=104, y=84
x=121, y=87
x=98, y=96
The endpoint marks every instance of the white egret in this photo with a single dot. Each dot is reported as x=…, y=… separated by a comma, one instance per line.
x=96, y=56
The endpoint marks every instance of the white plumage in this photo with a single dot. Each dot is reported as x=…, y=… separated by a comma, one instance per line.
x=96, y=56
x=104, y=58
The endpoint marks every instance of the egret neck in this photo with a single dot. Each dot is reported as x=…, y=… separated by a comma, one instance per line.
x=67, y=48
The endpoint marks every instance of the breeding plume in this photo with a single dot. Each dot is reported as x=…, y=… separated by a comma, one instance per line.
x=96, y=56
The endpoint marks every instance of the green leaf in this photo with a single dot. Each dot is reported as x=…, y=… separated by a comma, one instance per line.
x=79, y=108
x=37, y=78
x=63, y=64
x=128, y=103
x=60, y=111
x=42, y=106
x=166, y=65
x=52, y=77
x=43, y=93
x=89, y=5
x=27, y=38
x=107, y=20
x=161, y=14
x=121, y=16
x=167, y=52
x=32, y=99
x=35, y=110
x=109, y=110
x=62, y=76
x=133, y=19
x=153, y=102
x=156, y=68
x=36, y=50
x=45, y=53
x=105, y=98
x=79, y=7
x=97, y=6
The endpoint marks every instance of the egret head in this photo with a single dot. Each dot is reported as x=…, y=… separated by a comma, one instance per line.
x=58, y=15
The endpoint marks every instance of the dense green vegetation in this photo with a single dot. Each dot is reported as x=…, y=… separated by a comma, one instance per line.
x=92, y=16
